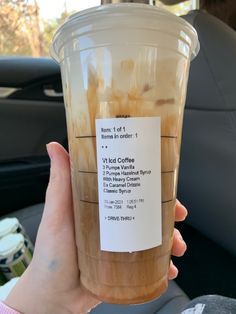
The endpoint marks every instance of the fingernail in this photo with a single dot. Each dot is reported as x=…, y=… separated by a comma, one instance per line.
x=185, y=247
x=50, y=151
x=182, y=240
x=174, y=273
x=186, y=212
x=180, y=237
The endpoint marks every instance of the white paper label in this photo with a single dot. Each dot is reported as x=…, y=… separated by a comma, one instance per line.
x=129, y=181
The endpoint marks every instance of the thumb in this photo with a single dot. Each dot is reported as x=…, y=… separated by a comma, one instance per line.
x=58, y=205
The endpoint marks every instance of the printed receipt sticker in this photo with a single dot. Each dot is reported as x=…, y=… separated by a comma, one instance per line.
x=129, y=172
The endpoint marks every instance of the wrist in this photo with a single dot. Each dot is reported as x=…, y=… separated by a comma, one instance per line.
x=21, y=296
x=31, y=295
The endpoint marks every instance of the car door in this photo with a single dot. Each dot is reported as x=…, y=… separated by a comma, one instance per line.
x=31, y=115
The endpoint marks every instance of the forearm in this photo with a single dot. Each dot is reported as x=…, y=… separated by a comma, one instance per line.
x=32, y=295
x=28, y=296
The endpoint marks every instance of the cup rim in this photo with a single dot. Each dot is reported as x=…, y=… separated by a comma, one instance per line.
x=82, y=18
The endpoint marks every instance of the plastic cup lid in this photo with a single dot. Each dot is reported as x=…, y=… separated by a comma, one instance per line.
x=87, y=20
x=11, y=244
x=8, y=225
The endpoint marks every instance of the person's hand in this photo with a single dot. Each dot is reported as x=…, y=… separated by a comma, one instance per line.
x=51, y=283
x=179, y=246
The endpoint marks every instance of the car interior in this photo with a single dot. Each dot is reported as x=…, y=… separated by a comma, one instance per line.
x=32, y=114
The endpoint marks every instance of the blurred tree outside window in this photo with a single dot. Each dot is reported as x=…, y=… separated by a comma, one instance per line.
x=25, y=31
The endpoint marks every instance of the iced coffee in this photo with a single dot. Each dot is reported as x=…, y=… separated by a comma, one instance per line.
x=125, y=88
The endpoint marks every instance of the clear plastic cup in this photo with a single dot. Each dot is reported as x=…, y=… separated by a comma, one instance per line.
x=124, y=71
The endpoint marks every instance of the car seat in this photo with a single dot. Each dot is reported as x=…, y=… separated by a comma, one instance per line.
x=207, y=177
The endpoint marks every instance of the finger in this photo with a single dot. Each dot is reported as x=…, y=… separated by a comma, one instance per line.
x=179, y=246
x=180, y=211
x=173, y=271
x=58, y=205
